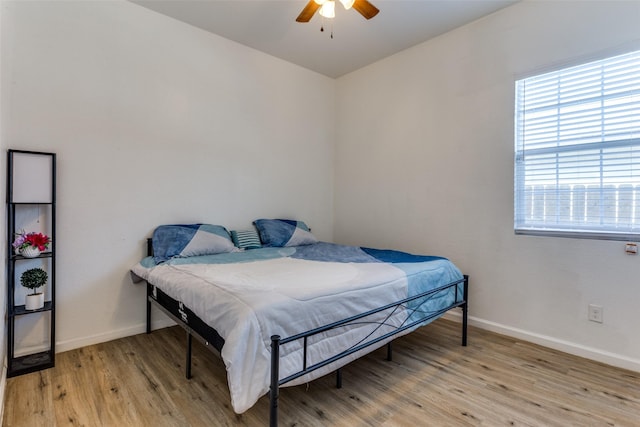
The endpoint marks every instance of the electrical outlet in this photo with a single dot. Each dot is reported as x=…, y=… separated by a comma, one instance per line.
x=595, y=313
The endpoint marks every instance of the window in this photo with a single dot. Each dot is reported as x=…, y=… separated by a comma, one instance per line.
x=577, y=154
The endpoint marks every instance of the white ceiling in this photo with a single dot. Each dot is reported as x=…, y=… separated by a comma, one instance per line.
x=270, y=26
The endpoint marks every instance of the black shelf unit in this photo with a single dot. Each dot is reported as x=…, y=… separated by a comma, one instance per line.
x=17, y=161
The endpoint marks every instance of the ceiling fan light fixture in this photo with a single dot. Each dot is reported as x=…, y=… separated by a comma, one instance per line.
x=347, y=3
x=328, y=9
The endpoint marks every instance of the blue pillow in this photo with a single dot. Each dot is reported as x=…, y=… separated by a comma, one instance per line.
x=246, y=239
x=185, y=240
x=284, y=232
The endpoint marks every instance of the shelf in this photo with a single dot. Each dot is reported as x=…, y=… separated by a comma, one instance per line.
x=30, y=363
x=19, y=310
x=42, y=255
x=31, y=204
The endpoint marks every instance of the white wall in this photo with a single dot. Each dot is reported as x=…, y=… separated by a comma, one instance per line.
x=155, y=122
x=424, y=162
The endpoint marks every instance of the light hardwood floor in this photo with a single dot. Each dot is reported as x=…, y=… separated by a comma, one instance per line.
x=432, y=381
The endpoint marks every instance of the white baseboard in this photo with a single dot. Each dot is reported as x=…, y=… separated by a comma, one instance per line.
x=598, y=355
x=111, y=335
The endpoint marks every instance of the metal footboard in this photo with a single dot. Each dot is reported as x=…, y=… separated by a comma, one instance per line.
x=277, y=341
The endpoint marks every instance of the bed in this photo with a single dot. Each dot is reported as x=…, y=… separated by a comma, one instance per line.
x=291, y=309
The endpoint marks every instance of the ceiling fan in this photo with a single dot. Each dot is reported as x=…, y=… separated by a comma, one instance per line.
x=327, y=9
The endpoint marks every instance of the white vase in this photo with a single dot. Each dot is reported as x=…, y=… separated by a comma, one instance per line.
x=30, y=252
x=34, y=301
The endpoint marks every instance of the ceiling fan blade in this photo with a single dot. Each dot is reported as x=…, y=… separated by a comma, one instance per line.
x=365, y=8
x=308, y=11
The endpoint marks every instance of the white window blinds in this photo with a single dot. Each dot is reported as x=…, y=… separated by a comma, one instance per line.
x=577, y=155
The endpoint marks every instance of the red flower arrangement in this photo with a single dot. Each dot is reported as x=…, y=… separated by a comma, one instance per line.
x=37, y=240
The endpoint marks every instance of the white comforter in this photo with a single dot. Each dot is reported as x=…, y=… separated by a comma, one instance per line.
x=249, y=302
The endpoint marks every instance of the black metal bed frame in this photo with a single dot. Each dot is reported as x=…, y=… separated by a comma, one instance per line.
x=194, y=326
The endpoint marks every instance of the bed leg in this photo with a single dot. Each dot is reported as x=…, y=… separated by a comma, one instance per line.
x=188, y=361
x=339, y=378
x=275, y=378
x=389, y=352
x=148, y=308
x=464, y=310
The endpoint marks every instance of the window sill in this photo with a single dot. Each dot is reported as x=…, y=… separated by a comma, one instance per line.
x=594, y=235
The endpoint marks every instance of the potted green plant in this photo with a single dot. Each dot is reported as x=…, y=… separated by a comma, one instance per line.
x=34, y=279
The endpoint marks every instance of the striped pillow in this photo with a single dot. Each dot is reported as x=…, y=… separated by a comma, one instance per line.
x=246, y=239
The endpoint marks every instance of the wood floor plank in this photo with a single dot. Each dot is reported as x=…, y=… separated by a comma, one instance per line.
x=432, y=380
x=34, y=400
